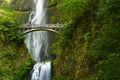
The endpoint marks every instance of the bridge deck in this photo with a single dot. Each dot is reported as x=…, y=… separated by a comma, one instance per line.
x=46, y=26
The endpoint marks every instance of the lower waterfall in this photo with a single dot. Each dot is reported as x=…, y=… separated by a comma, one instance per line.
x=38, y=42
x=41, y=71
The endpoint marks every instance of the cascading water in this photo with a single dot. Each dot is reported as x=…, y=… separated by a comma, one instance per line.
x=38, y=42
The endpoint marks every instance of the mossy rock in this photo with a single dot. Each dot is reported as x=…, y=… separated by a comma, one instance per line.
x=22, y=5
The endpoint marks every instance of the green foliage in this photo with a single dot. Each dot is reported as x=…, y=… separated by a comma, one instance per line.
x=5, y=54
x=79, y=20
x=106, y=48
x=109, y=11
x=14, y=63
x=92, y=29
x=74, y=5
x=23, y=71
x=64, y=78
x=67, y=32
x=9, y=26
x=108, y=43
x=71, y=9
x=6, y=8
x=109, y=69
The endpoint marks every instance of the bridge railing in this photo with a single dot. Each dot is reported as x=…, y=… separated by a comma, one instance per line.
x=53, y=26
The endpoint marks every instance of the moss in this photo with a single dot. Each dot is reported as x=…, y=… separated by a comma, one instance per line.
x=80, y=30
x=15, y=59
x=15, y=62
x=21, y=5
x=22, y=16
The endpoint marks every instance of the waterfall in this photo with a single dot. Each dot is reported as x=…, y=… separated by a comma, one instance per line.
x=38, y=42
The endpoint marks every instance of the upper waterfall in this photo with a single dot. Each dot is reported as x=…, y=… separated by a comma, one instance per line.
x=38, y=42
x=40, y=12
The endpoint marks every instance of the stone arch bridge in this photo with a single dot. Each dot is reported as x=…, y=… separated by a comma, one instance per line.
x=27, y=28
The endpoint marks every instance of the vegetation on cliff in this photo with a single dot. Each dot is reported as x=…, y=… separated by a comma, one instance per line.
x=90, y=49
x=15, y=63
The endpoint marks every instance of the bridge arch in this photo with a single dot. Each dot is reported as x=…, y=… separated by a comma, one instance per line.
x=40, y=29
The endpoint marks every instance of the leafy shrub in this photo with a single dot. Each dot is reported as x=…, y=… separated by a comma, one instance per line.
x=106, y=48
x=9, y=28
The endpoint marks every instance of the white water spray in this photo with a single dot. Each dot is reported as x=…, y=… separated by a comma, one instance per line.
x=38, y=42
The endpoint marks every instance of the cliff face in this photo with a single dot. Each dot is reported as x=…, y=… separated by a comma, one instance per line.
x=21, y=5
x=83, y=51
x=79, y=31
x=15, y=62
